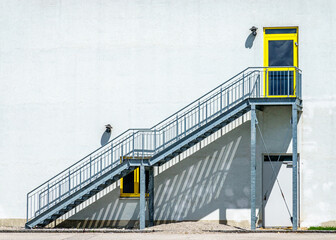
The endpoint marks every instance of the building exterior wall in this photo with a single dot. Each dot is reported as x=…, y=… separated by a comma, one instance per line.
x=67, y=68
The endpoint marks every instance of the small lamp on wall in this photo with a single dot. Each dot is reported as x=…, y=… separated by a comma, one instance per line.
x=254, y=30
x=108, y=128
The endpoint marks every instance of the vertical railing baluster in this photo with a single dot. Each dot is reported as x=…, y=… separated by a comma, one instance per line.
x=80, y=177
x=228, y=98
x=69, y=179
x=206, y=112
x=122, y=151
x=143, y=144
x=185, y=126
x=176, y=127
x=48, y=197
x=111, y=154
x=249, y=86
x=243, y=86
x=90, y=169
x=199, y=113
x=39, y=202
x=133, y=144
x=221, y=100
x=101, y=165
x=27, y=209
x=163, y=139
x=154, y=141
x=288, y=82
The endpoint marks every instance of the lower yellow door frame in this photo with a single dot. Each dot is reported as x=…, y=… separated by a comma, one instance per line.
x=136, y=193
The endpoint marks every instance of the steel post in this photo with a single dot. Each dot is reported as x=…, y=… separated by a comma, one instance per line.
x=253, y=167
x=151, y=196
x=142, y=197
x=295, y=173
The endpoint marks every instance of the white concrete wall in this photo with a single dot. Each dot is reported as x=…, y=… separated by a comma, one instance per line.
x=69, y=67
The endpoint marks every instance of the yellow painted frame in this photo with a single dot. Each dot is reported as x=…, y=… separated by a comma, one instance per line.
x=136, y=193
x=280, y=36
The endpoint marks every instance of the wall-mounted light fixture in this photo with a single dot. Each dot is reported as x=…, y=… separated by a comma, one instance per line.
x=108, y=128
x=254, y=30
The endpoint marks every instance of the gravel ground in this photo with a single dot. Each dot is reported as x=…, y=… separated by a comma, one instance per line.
x=192, y=227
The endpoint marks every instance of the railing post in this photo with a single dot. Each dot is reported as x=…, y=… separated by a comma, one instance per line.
x=133, y=145
x=111, y=154
x=221, y=100
x=143, y=145
x=59, y=191
x=176, y=127
x=228, y=98
x=101, y=165
x=80, y=177
x=27, y=211
x=206, y=112
x=163, y=139
x=90, y=168
x=266, y=83
x=185, y=126
x=243, y=85
x=39, y=204
x=154, y=141
x=259, y=87
x=122, y=151
x=288, y=82
x=69, y=182
x=199, y=113
x=249, y=86
x=48, y=197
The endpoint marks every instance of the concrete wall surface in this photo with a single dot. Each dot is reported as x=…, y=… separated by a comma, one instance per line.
x=69, y=67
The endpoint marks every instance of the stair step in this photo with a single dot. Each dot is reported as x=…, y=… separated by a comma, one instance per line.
x=94, y=191
x=115, y=178
x=62, y=211
x=86, y=196
x=54, y=216
x=109, y=182
x=71, y=206
x=79, y=201
x=101, y=187
x=46, y=221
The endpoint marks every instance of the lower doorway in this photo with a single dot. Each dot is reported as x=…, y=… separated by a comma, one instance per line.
x=277, y=190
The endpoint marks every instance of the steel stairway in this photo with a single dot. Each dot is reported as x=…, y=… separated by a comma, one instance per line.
x=148, y=147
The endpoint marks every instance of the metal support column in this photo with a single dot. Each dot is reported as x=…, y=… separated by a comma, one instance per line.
x=253, y=167
x=151, y=196
x=142, y=197
x=295, y=172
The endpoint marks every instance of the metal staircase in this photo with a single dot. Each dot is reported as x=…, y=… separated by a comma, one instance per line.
x=157, y=145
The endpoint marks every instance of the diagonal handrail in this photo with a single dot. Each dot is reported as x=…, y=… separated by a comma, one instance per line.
x=149, y=141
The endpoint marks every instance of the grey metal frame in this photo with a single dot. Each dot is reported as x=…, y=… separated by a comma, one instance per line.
x=253, y=167
x=159, y=143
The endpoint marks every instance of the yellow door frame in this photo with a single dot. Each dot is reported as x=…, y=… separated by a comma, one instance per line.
x=280, y=36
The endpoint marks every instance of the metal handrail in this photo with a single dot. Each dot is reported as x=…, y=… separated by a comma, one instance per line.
x=249, y=83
